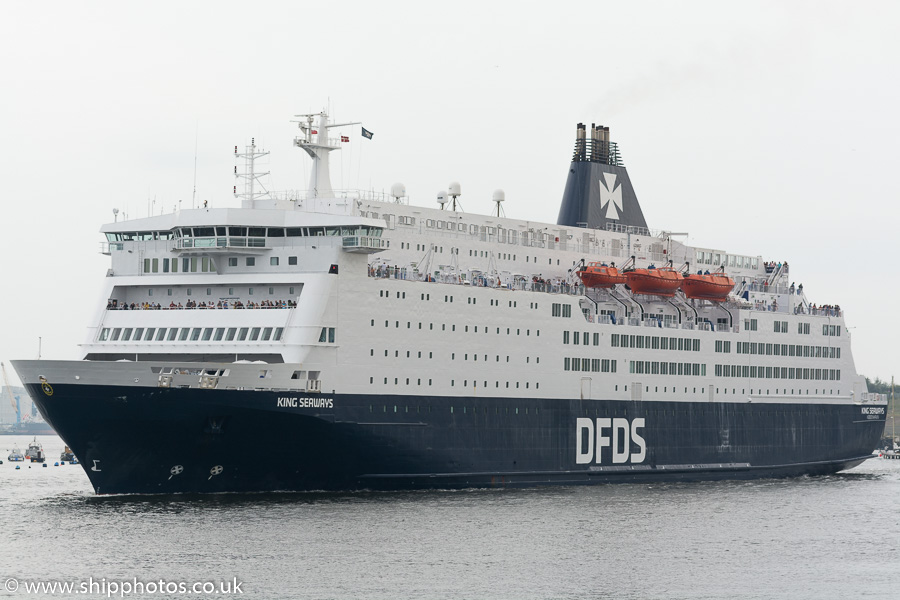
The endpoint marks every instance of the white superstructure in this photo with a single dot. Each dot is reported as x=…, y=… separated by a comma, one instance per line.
x=364, y=295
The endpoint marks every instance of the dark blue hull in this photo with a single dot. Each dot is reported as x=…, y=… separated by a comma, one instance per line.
x=157, y=440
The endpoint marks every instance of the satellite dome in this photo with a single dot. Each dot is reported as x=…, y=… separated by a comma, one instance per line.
x=398, y=190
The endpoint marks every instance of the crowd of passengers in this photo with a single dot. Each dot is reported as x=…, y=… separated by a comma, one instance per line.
x=826, y=310
x=773, y=266
x=191, y=304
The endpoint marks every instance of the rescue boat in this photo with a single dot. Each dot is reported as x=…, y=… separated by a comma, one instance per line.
x=715, y=287
x=656, y=281
x=599, y=275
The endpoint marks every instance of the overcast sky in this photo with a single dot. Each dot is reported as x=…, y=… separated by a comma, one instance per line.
x=762, y=128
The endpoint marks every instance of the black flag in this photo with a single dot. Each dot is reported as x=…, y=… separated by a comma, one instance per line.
x=366, y=133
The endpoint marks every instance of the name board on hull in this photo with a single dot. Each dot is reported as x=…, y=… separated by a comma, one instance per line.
x=609, y=441
x=304, y=402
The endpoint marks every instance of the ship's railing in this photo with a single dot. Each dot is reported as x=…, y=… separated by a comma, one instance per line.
x=219, y=242
x=364, y=242
x=233, y=305
x=534, y=285
x=109, y=247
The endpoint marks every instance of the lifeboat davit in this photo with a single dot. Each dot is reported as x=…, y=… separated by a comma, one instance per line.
x=656, y=281
x=715, y=287
x=598, y=275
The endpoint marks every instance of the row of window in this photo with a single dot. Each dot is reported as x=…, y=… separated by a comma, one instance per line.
x=708, y=257
x=537, y=359
x=219, y=291
x=596, y=365
x=193, y=264
x=666, y=368
x=754, y=372
x=798, y=350
x=423, y=296
x=465, y=409
x=803, y=328
x=485, y=329
x=653, y=342
x=202, y=264
x=418, y=381
x=190, y=334
x=561, y=310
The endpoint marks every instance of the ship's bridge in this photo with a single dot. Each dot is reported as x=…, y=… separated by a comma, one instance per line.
x=242, y=231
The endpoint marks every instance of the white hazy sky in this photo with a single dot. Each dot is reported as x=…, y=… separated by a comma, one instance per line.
x=763, y=128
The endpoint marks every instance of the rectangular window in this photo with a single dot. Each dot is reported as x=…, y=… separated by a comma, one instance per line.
x=104, y=334
x=229, y=336
x=292, y=260
x=220, y=333
x=254, y=334
x=160, y=334
x=174, y=265
x=183, y=335
x=267, y=334
x=207, y=334
x=148, y=336
x=242, y=334
x=278, y=332
x=195, y=334
x=273, y=261
x=250, y=261
x=166, y=265
x=232, y=262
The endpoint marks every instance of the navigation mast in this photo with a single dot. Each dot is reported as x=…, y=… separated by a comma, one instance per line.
x=250, y=176
x=316, y=143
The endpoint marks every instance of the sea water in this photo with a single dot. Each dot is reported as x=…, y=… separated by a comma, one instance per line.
x=811, y=537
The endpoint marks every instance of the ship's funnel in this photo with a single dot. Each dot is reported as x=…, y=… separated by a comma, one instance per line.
x=598, y=191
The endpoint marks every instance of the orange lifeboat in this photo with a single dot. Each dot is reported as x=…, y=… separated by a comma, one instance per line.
x=598, y=275
x=715, y=287
x=656, y=281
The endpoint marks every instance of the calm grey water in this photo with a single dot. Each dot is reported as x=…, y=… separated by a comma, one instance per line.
x=822, y=537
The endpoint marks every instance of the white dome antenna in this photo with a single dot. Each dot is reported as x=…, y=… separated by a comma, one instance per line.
x=455, y=192
x=442, y=198
x=398, y=191
x=499, y=197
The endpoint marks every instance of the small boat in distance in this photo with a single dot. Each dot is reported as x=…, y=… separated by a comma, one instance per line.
x=67, y=455
x=35, y=451
x=657, y=281
x=600, y=275
x=708, y=286
x=15, y=456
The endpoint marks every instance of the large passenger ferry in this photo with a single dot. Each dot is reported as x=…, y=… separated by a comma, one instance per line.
x=379, y=344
